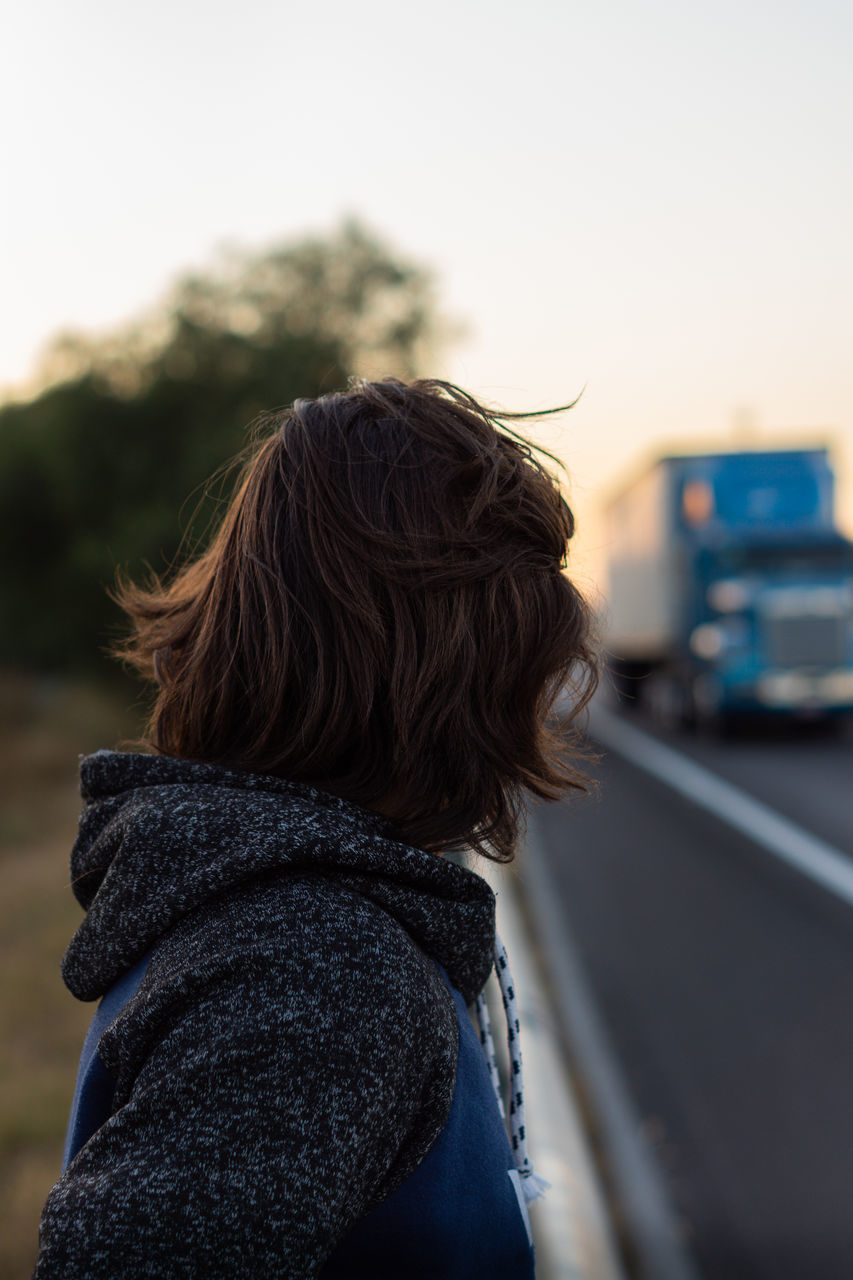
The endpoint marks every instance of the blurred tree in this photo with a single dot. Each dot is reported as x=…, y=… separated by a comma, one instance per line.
x=94, y=470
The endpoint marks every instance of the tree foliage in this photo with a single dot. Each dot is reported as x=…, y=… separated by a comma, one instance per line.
x=106, y=466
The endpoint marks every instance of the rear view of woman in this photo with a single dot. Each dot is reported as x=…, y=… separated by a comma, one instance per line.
x=281, y=1079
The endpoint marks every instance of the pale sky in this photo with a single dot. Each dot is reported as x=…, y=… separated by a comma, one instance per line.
x=654, y=200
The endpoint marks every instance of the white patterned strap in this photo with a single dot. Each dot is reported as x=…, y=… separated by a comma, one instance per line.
x=532, y=1185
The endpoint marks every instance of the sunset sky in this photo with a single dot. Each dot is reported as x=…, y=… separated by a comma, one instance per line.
x=651, y=200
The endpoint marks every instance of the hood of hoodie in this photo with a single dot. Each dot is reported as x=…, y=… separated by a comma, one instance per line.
x=159, y=836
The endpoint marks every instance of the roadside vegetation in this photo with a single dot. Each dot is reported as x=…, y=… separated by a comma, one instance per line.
x=44, y=725
x=108, y=465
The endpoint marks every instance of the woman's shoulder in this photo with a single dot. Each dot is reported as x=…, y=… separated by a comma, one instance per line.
x=309, y=910
x=313, y=939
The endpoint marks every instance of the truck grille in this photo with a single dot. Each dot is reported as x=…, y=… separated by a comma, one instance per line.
x=805, y=641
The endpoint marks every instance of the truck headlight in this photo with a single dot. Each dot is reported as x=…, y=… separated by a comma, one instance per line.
x=729, y=595
x=707, y=641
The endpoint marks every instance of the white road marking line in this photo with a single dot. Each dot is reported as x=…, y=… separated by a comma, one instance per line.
x=808, y=854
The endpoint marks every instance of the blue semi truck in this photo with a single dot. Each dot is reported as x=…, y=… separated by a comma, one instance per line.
x=731, y=588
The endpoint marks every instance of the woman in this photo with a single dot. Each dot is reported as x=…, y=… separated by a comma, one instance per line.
x=353, y=680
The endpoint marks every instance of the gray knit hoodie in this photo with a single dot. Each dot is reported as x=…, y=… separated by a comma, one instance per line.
x=288, y=1058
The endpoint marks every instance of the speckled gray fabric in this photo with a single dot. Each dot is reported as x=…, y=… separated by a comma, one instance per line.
x=289, y=1056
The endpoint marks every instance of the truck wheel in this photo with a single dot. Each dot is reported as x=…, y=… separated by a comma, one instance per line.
x=670, y=701
x=687, y=718
x=709, y=718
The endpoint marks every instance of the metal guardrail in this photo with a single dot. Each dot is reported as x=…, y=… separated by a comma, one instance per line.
x=572, y=1230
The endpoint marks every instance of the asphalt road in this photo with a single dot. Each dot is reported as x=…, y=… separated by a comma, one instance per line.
x=725, y=981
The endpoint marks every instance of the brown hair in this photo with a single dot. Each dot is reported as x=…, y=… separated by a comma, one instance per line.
x=381, y=613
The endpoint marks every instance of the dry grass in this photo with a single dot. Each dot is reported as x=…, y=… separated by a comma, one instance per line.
x=44, y=725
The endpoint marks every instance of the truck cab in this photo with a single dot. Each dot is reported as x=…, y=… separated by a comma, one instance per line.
x=731, y=590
